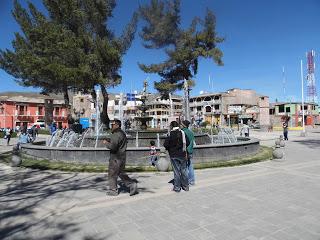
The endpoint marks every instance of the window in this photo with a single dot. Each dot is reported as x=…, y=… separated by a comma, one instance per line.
x=287, y=109
x=281, y=108
x=81, y=99
x=271, y=111
x=21, y=109
x=199, y=109
x=216, y=107
x=56, y=111
x=208, y=109
x=40, y=110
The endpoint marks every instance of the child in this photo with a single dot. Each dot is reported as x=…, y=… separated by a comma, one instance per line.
x=153, y=153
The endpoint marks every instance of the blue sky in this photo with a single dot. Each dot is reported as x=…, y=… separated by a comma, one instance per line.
x=261, y=37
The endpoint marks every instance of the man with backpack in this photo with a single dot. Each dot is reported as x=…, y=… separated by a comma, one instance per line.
x=176, y=144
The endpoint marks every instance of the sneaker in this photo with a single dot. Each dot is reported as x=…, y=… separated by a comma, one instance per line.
x=176, y=190
x=112, y=193
x=133, y=189
x=186, y=188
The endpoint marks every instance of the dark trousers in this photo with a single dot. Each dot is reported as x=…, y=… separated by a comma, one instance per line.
x=180, y=171
x=8, y=139
x=285, y=135
x=115, y=170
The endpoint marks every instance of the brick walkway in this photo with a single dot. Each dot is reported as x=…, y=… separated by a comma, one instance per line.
x=276, y=199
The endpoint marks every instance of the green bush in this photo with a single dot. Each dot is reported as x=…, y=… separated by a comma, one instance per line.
x=44, y=131
x=13, y=135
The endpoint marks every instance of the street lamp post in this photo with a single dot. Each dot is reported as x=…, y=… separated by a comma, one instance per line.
x=302, y=103
x=186, y=100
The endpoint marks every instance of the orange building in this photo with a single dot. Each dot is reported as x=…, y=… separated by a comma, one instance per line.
x=26, y=108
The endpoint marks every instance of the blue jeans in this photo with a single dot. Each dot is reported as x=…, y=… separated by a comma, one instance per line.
x=153, y=159
x=180, y=172
x=190, y=170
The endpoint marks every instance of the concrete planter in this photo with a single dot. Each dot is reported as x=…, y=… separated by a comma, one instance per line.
x=163, y=164
x=15, y=160
x=277, y=153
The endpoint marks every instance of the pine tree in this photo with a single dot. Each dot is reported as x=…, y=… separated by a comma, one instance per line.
x=183, y=47
x=71, y=49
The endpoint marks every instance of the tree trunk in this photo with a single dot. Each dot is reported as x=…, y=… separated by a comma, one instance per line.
x=104, y=113
x=68, y=106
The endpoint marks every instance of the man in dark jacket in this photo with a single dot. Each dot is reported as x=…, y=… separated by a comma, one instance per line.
x=176, y=143
x=118, y=145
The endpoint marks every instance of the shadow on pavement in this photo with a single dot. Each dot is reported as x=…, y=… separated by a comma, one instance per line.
x=24, y=192
x=311, y=143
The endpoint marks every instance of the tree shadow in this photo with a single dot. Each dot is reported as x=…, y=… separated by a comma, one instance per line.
x=311, y=143
x=23, y=192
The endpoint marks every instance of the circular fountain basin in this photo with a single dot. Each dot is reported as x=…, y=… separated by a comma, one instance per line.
x=139, y=156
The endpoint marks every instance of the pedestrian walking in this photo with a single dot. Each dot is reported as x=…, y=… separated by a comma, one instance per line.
x=285, y=130
x=245, y=129
x=176, y=144
x=8, y=135
x=118, y=146
x=185, y=128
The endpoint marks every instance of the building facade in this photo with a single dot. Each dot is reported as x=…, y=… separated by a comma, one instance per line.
x=24, y=109
x=230, y=108
x=163, y=111
x=294, y=110
x=126, y=107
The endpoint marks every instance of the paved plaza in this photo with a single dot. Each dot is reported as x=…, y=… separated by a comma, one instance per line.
x=277, y=199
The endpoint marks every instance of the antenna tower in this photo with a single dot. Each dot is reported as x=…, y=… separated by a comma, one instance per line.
x=311, y=81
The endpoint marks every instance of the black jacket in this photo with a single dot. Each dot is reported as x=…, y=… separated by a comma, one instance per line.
x=174, y=144
x=118, y=145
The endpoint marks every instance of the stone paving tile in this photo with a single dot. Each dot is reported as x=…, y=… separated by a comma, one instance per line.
x=201, y=234
x=282, y=235
x=272, y=200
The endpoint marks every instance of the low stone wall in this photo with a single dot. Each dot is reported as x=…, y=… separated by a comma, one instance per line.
x=140, y=156
x=144, y=141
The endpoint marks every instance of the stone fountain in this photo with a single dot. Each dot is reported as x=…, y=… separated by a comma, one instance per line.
x=143, y=118
x=88, y=147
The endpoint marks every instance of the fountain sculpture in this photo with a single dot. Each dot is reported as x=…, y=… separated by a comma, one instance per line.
x=143, y=119
x=88, y=147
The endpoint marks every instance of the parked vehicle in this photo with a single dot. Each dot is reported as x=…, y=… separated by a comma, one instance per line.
x=40, y=124
x=255, y=125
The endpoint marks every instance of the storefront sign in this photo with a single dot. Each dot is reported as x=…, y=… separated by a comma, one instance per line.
x=234, y=109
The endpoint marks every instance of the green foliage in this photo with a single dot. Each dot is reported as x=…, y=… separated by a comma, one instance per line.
x=44, y=131
x=13, y=135
x=70, y=49
x=183, y=48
